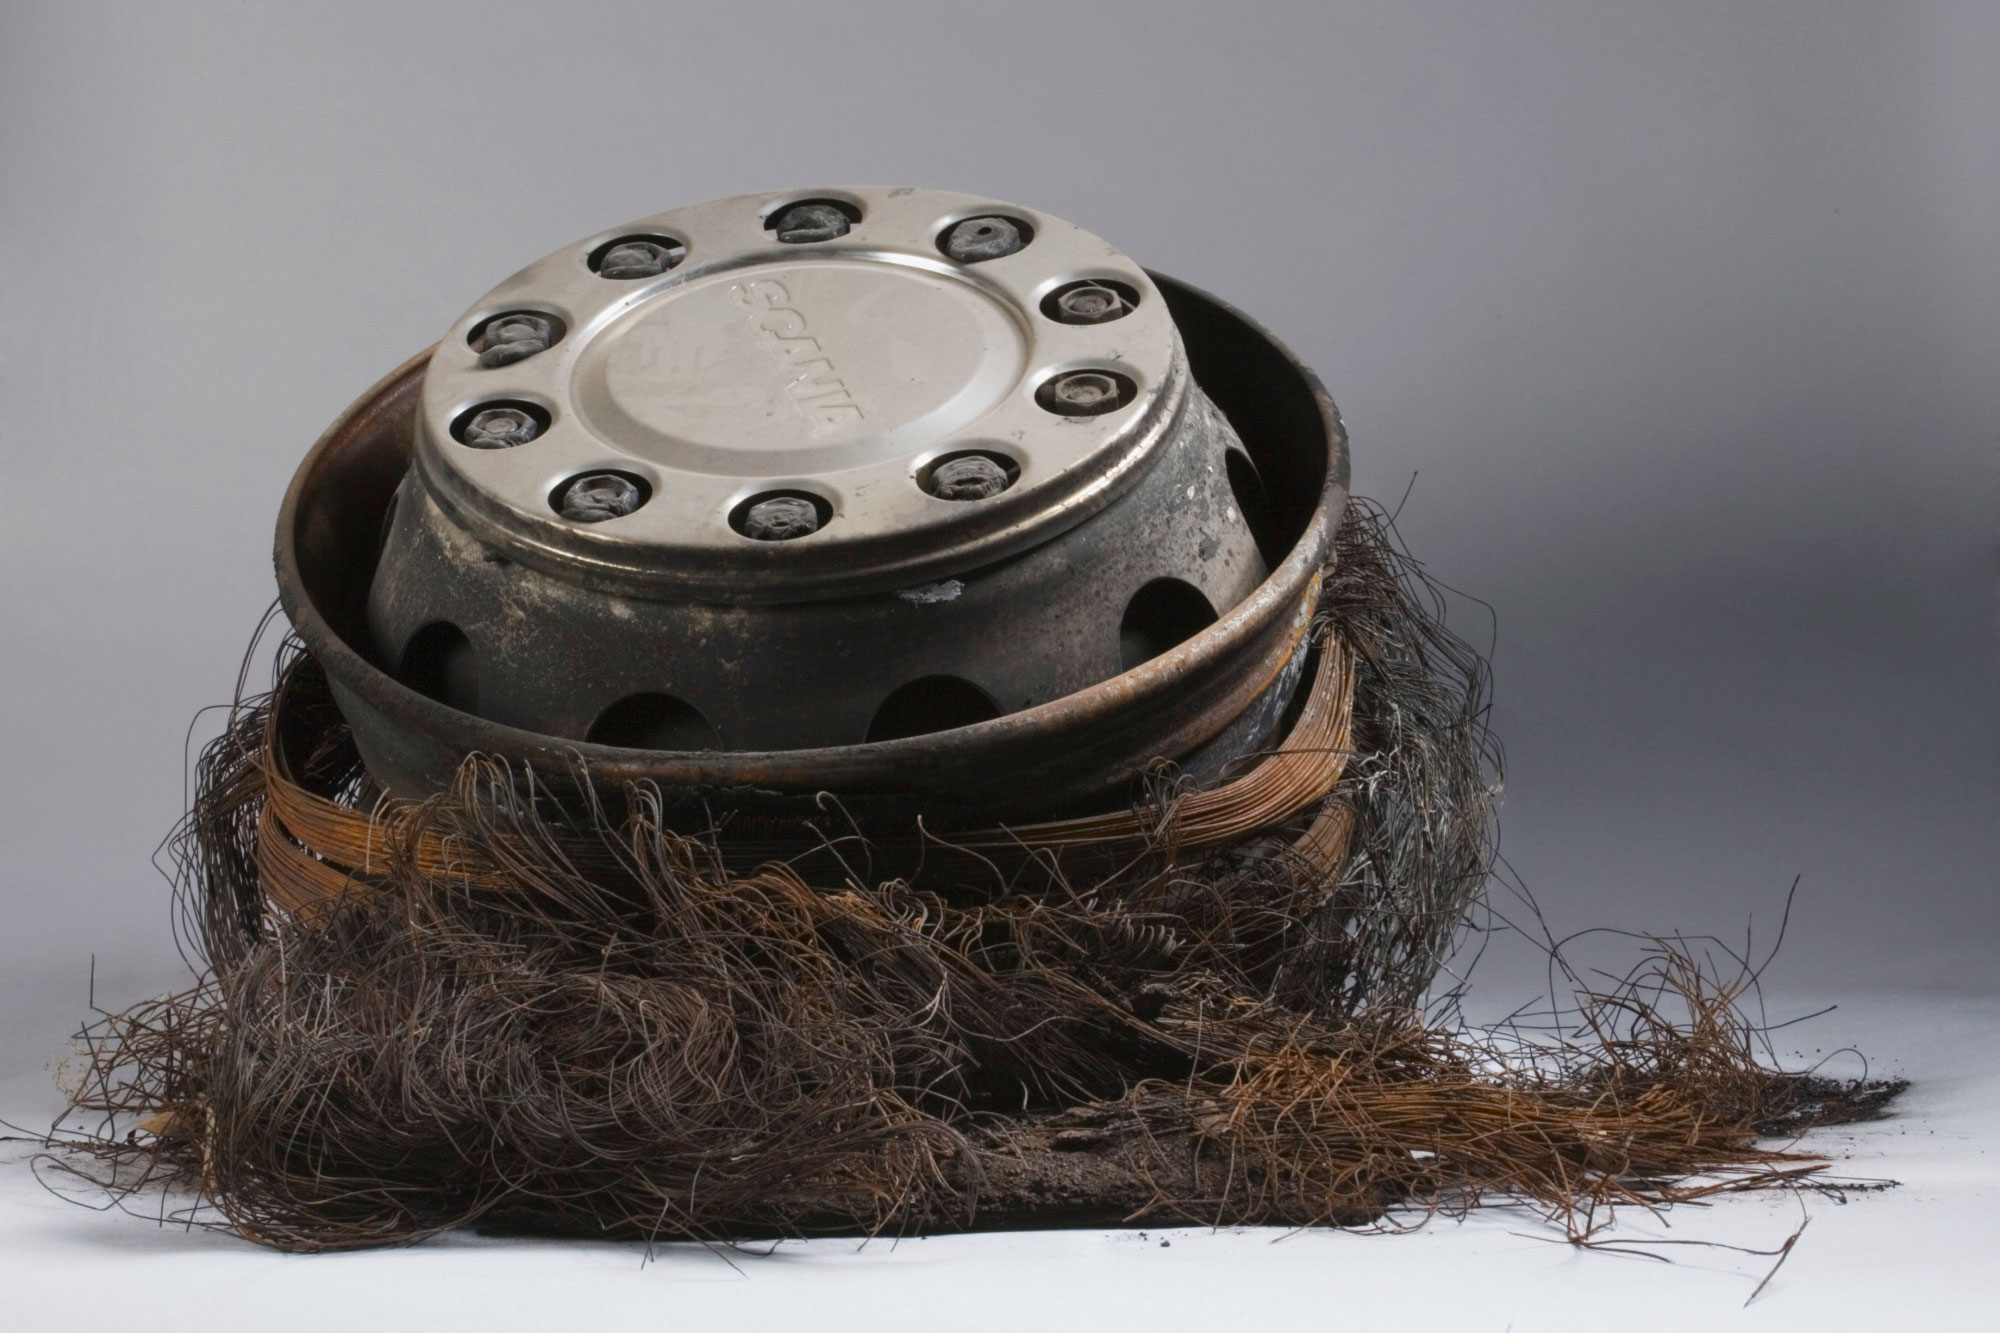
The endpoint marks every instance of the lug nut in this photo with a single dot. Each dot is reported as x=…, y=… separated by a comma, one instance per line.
x=1084, y=393
x=802, y=224
x=1090, y=303
x=968, y=477
x=596, y=496
x=500, y=428
x=511, y=338
x=637, y=259
x=781, y=519
x=976, y=239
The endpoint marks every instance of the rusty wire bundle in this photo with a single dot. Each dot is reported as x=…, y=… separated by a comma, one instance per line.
x=502, y=1007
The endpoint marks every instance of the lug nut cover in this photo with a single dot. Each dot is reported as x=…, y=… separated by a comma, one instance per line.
x=971, y=477
x=780, y=519
x=1089, y=303
x=510, y=338
x=599, y=496
x=1084, y=393
x=804, y=224
x=500, y=428
x=977, y=239
x=637, y=259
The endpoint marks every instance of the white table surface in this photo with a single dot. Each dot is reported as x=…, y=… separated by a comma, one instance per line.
x=1920, y=1255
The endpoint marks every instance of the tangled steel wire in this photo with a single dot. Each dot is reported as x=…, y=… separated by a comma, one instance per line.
x=501, y=1007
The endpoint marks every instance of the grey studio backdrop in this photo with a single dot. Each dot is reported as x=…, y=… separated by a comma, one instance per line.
x=1684, y=318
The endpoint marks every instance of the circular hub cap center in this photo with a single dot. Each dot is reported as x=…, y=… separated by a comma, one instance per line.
x=784, y=368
